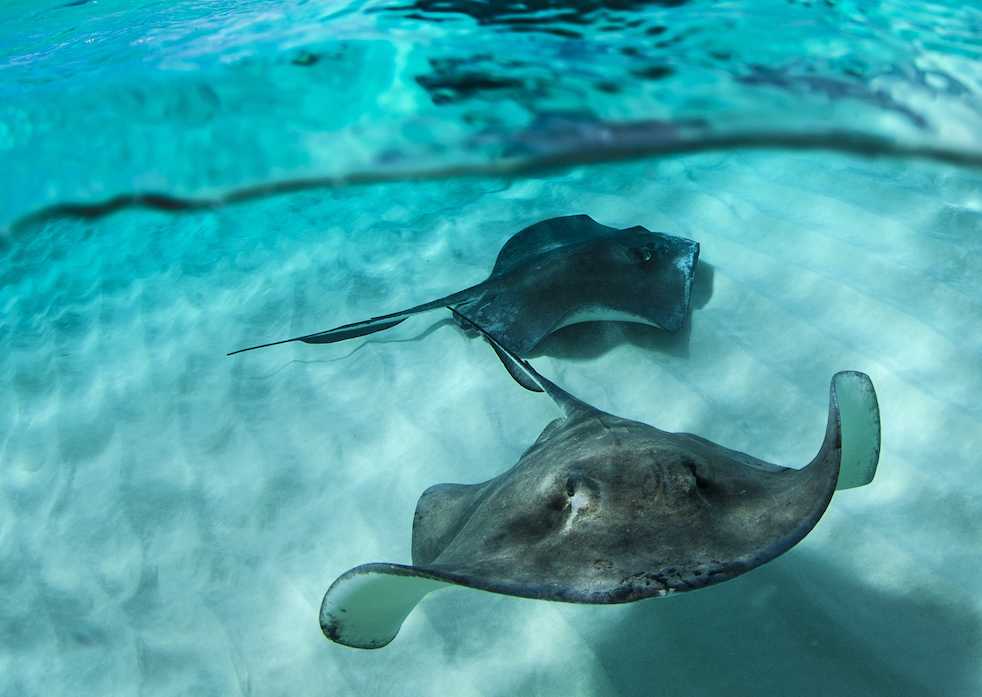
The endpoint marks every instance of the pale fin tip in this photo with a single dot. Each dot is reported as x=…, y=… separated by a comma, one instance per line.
x=859, y=418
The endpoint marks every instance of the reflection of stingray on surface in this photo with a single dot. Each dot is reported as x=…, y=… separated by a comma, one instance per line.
x=522, y=16
x=606, y=510
x=560, y=272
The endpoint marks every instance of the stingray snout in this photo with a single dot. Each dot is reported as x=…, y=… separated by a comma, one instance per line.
x=673, y=479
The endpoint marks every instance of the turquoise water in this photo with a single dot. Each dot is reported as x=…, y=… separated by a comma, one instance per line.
x=182, y=180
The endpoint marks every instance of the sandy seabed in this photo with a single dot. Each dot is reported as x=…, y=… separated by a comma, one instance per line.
x=170, y=517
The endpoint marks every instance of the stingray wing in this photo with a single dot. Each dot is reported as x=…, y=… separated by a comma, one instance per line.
x=859, y=416
x=366, y=606
x=539, y=240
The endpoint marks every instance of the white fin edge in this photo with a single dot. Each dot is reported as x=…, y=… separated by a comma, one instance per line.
x=859, y=418
x=366, y=606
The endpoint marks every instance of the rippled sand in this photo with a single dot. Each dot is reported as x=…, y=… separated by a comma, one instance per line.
x=170, y=517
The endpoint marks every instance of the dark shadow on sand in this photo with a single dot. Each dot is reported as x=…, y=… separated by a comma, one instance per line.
x=793, y=627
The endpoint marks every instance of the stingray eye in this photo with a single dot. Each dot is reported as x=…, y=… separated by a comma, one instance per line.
x=647, y=251
x=575, y=493
x=571, y=486
x=701, y=482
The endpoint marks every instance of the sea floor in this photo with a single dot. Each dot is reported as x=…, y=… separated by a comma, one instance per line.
x=171, y=517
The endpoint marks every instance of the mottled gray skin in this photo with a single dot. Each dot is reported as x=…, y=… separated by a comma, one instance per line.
x=602, y=509
x=558, y=272
x=606, y=510
x=632, y=274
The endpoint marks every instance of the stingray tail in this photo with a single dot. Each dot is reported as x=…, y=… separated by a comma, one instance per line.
x=365, y=327
x=523, y=373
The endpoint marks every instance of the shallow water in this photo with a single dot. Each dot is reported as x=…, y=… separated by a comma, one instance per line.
x=170, y=517
x=112, y=97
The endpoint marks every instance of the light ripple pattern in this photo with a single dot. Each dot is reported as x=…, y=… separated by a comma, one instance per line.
x=110, y=99
x=170, y=517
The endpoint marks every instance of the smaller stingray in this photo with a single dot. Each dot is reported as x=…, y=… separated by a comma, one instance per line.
x=606, y=510
x=559, y=272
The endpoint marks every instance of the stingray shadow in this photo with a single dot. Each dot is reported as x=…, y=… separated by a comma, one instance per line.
x=593, y=339
x=795, y=626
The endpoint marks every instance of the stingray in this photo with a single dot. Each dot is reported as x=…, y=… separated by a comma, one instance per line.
x=559, y=272
x=602, y=509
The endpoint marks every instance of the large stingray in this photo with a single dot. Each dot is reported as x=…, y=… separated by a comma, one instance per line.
x=559, y=272
x=606, y=510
